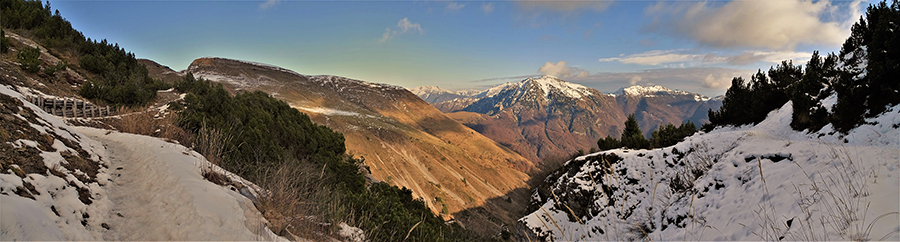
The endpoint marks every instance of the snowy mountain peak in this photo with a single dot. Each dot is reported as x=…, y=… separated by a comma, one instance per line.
x=640, y=90
x=424, y=90
x=549, y=83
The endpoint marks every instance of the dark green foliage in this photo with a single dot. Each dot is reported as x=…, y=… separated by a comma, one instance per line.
x=4, y=42
x=873, y=41
x=750, y=103
x=391, y=212
x=265, y=131
x=633, y=137
x=734, y=107
x=666, y=135
x=608, y=143
x=865, y=77
x=28, y=59
x=121, y=79
x=670, y=134
x=814, y=86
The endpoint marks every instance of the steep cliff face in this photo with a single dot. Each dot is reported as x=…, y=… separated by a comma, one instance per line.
x=404, y=140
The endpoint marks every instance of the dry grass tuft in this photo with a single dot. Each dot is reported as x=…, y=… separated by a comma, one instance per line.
x=151, y=123
x=297, y=201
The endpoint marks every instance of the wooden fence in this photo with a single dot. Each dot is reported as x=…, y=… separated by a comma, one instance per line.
x=70, y=108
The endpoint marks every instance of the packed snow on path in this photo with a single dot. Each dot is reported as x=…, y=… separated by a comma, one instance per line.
x=158, y=193
x=145, y=188
x=761, y=182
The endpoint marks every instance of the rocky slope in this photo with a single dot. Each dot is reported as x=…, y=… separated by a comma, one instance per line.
x=404, y=140
x=548, y=118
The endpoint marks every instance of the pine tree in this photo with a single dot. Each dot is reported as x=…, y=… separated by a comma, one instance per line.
x=633, y=137
x=871, y=67
x=814, y=86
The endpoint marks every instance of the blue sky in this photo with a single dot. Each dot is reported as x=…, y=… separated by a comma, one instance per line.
x=695, y=46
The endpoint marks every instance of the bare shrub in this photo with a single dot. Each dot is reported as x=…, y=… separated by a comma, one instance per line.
x=211, y=143
x=297, y=200
x=149, y=122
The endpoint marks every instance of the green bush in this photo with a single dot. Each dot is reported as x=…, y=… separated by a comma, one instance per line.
x=29, y=59
x=670, y=134
x=4, y=42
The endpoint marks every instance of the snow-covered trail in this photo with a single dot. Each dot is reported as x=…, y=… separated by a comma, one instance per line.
x=158, y=193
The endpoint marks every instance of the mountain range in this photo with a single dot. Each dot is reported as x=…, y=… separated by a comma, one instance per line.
x=549, y=118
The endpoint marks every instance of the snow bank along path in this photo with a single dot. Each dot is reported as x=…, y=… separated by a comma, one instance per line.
x=145, y=189
x=158, y=193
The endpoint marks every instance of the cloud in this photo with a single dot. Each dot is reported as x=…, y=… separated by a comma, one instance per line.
x=407, y=26
x=564, y=5
x=561, y=70
x=454, y=6
x=635, y=80
x=715, y=82
x=590, y=31
x=403, y=26
x=662, y=57
x=268, y=4
x=776, y=25
x=707, y=81
x=487, y=8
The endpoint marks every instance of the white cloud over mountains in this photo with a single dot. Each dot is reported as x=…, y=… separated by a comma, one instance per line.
x=561, y=70
x=403, y=26
x=706, y=80
x=664, y=57
x=771, y=24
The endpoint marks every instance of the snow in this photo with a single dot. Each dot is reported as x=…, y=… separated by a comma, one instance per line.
x=551, y=83
x=331, y=112
x=424, y=90
x=352, y=234
x=21, y=218
x=167, y=177
x=145, y=189
x=761, y=178
x=337, y=80
x=640, y=90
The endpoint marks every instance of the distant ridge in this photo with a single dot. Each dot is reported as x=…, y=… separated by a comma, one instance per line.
x=546, y=117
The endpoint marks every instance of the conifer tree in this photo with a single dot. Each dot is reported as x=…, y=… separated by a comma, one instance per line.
x=633, y=137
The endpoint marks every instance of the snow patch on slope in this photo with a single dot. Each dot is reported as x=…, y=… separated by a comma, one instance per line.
x=554, y=84
x=640, y=90
x=762, y=182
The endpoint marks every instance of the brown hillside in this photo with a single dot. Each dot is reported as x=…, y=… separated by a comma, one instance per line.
x=404, y=140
